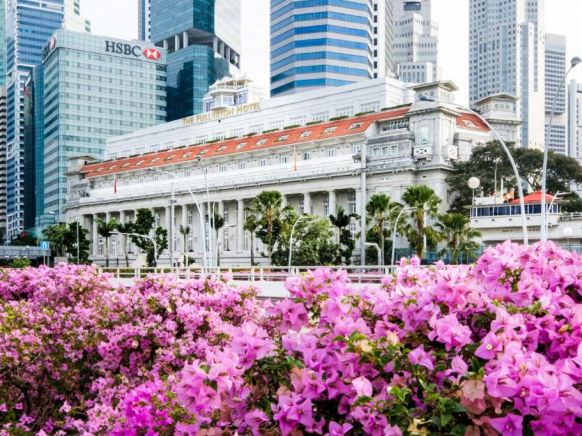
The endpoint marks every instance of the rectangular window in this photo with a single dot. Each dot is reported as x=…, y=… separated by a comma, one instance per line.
x=321, y=116
x=345, y=111
x=352, y=206
x=242, y=165
x=331, y=152
x=283, y=159
x=306, y=155
x=223, y=168
x=263, y=162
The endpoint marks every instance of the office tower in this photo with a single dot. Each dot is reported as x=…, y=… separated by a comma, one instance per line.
x=73, y=19
x=143, y=20
x=555, y=70
x=575, y=120
x=506, y=55
x=3, y=149
x=202, y=38
x=319, y=43
x=416, y=48
x=383, y=37
x=106, y=87
x=29, y=25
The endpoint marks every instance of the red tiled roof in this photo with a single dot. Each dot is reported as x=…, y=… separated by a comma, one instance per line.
x=299, y=135
x=536, y=197
x=472, y=122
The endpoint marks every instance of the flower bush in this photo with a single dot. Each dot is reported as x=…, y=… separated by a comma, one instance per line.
x=494, y=348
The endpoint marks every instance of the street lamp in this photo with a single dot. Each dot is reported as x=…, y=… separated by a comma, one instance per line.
x=291, y=238
x=404, y=209
x=137, y=235
x=202, y=224
x=210, y=211
x=474, y=183
x=544, y=230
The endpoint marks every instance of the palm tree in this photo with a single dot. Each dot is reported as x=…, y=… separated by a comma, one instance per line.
x=104, y=229
x=125, y=228
x=456, y=229
x=268, y=207
x=185, y=231
x=381, y=210
x=251, y=225
x=341, y=220
x=423, y=202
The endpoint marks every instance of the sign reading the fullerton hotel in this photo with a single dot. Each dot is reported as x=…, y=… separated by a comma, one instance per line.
x=222, y=113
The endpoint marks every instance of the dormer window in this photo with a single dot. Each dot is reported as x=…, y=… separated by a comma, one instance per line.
x=187, y=155
x=154, y=160
x=306, y=134
x=125, y=165
x=98, y=170
x=141, y=162
x=203, y=152
x=355, y=126
x=241, y=145
x=112, y=167
x=262, y=141
x=282, y=138
x=221, y=148
x=172, y=156
x=329, y=130
x=469, y=123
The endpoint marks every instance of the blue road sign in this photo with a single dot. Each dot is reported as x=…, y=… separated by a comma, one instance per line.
x=44, y=245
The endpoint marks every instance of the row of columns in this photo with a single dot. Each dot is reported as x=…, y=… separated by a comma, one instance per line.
x=125, y=214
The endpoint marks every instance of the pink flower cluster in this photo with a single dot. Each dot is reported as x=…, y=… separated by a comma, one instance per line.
x=494, y=348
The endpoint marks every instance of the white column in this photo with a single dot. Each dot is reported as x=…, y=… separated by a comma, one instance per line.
x=176, y=42
x=184, y=39
x=185, y=216
x=240, y=231
x=122, y=216
x=107, y=217
x=332, y=203
x=284, y=200
x=307, y=203
x=165, y=44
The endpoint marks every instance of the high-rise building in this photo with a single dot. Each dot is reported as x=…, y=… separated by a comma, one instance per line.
x=73, y=19
x=383, y=37
x=506, y=55
x=202, y=38
x=555, y=71
x=319, y=43
x=3, y=148
x=143, y=20
x=105, y=87
x=416, y=48
x=575, y=120
x=29, y=25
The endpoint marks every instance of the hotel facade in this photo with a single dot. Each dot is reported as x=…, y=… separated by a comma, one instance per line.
x=318, y=166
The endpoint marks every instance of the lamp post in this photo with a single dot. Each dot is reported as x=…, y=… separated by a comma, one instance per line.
x=544, y=230
x=291, y=238
x=404, y=209
x=210, y=212
x=202, y=224
x=137, y=235
x=474, y=183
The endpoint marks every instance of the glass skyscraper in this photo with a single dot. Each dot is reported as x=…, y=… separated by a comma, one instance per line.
x=29, y=25
x=143, y=20
x=202, y=38
x=3, y=148
x=318, y=43
x=90, y=88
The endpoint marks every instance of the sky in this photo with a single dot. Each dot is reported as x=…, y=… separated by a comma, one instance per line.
x=562, y=17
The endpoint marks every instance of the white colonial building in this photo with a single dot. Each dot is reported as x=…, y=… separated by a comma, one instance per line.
x=317, y=166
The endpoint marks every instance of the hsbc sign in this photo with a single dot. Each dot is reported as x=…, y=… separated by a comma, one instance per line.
x=132, y=50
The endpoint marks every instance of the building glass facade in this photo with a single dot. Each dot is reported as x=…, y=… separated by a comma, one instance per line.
x=317, y=43
x=143, y=17
x=94, y=88
x=29, y=25
x=202, y=38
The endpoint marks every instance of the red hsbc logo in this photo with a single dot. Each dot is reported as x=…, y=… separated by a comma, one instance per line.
x=152, y=54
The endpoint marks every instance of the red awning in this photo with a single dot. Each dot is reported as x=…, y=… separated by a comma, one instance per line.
x=535, y=198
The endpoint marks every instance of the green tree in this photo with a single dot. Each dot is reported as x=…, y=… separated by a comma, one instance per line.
x=57, y=235
x=312, y=244
x=490, y=160
x=269, y=210
x=382, y=211
x=341, y=220
x=423, y=202
x=251, y=225
x=143, y=225
x=71, y=243
x=125, y=228
x=104, y=229
x=456, y=230
x=185, y=231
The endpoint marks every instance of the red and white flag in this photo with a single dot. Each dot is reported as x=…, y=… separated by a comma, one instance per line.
x=115, y=185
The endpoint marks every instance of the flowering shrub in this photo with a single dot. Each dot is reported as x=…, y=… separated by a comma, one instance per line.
x=493, y=348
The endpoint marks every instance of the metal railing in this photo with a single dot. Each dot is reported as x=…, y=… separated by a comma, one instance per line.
x=356, y=274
